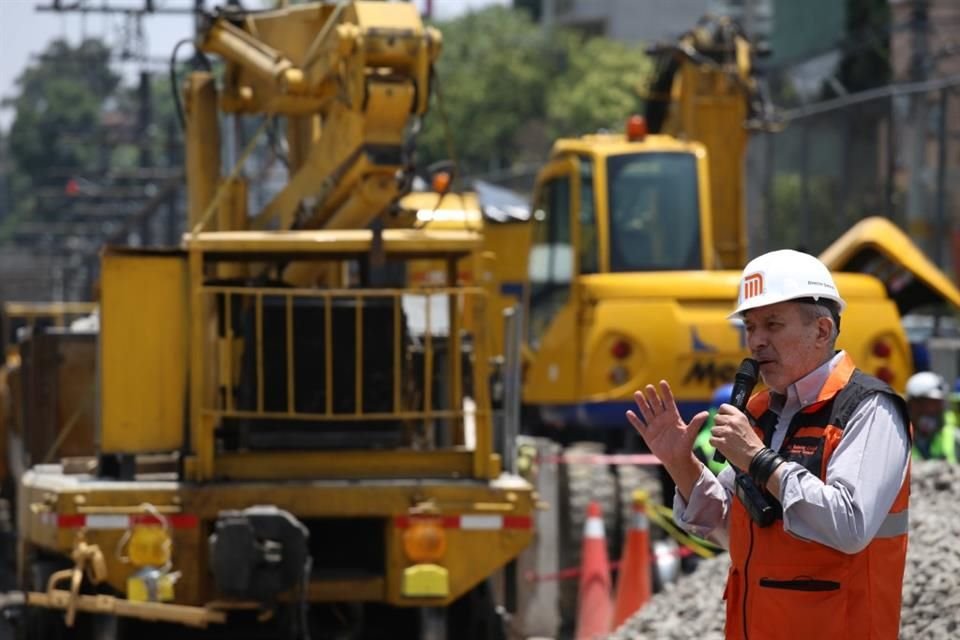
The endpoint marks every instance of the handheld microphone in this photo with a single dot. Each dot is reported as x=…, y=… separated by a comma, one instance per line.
x=743, y=384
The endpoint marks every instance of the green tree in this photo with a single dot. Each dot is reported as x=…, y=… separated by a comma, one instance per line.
x=164, y=123
x=599, y=88
x=58, y=109
x=509, y=87
x=57, y=121
x=490, y=81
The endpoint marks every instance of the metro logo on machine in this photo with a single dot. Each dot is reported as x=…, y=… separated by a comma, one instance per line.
x=752, y=285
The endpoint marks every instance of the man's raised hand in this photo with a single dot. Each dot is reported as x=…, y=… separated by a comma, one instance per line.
x=663, y=430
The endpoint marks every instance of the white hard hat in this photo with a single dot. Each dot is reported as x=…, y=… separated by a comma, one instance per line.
x=926, y=384
x=783, y=275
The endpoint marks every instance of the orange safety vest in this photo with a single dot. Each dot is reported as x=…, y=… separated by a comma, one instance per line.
x=780, y=587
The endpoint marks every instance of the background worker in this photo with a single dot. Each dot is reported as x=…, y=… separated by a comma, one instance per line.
x=935, y=429
x=821, y=551
x=701, y=446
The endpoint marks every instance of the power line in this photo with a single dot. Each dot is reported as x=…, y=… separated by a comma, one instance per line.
x=861, y=97
x=148, y=7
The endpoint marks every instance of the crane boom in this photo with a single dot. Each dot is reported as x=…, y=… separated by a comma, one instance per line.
x=351, y=80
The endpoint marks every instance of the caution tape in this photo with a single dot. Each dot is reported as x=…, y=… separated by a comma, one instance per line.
x=574, y=572
x=602, y=458
x=662, y=516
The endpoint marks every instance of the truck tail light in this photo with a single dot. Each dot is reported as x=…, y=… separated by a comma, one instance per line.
x=621, y=349
x=881, y=349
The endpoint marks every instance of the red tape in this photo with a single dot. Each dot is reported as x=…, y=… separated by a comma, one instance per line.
x=574, y=572
x=602, y=458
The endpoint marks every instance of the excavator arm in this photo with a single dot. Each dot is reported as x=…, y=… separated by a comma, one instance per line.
x=350, y=80
x=705, y=89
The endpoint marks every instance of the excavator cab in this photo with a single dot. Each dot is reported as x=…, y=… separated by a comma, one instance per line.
x=654, y=212
x=607, y=204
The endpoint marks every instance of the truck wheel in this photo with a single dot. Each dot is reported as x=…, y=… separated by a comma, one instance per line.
x=474, y=616
x=579, y=485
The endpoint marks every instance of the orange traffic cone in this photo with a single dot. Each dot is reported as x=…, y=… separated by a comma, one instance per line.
x=594, y=607
x=634, y=585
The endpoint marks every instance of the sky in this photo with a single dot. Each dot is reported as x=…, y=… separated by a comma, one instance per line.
x=25, y=32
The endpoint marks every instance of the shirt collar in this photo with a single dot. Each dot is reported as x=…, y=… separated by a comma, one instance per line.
x=806, y=390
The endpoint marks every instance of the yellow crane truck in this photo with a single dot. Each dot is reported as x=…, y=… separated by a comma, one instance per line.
x=291, y=441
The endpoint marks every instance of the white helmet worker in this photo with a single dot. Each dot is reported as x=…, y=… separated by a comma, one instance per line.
x=926, y=384
x=783, y=275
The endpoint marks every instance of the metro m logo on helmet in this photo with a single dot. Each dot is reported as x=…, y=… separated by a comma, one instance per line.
x=752, y=285
x=783, y=275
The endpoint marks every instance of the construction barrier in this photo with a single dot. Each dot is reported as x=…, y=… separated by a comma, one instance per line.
x=594, y=607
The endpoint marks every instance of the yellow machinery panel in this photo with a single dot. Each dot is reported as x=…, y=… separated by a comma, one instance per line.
x=143, y=346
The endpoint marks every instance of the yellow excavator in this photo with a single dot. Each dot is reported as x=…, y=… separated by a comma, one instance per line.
x=637, y=244
x=291, y=440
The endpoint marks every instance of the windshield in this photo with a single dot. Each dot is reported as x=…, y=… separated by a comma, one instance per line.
x=654, y=212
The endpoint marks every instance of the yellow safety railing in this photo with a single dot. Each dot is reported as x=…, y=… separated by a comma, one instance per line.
x=57, y=314
x=271, y=338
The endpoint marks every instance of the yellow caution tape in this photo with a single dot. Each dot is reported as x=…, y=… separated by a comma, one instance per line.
x=662, y=516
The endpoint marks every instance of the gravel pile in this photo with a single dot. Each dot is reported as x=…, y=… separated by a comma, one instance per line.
x=692, y=609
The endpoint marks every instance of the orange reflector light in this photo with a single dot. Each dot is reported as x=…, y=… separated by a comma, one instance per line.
x=425, y=540
x=441, y=182
x=636, y=128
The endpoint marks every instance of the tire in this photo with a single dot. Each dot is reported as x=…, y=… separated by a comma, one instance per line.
x=579, y=485
x=474, y=616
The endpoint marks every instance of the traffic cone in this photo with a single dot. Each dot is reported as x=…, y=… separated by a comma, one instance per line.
x=634, y=585
x=594, y=607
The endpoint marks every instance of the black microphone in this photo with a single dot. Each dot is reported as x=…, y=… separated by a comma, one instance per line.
x=743, y=384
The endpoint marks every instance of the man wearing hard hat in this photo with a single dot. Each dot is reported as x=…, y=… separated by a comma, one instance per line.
x=935, y=429
x=813, y=507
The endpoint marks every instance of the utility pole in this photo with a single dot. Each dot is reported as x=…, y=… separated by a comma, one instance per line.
x=917, y=214
x=549, y=15
x=748, y=20
x=132, y=47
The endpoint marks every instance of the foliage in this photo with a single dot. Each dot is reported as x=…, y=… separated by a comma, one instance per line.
x=58, y=108
x=58, y=115
x=600, y=87
x=74, y=118
x=811, y=221
x=490, y=81
x=507, y=87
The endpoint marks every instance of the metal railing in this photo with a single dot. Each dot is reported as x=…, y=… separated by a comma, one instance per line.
x=347, y=361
